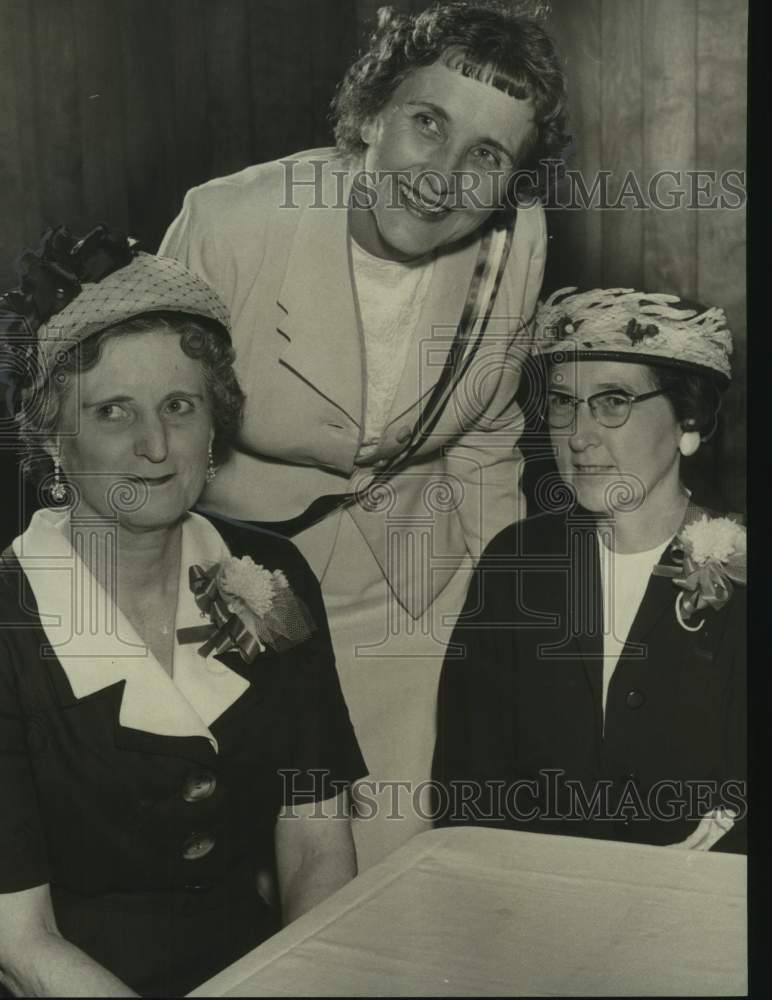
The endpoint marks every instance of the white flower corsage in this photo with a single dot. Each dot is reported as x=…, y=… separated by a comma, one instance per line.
x=250, y=607
x=711, y=553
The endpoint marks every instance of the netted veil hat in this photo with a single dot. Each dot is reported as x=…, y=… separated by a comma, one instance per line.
x=620, y=324
x=72, y=288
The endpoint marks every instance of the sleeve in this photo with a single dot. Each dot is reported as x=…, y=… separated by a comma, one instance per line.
x=486, y=459
x=734, y=791
x=23, y=859
x=326, y=756
x=473, y=733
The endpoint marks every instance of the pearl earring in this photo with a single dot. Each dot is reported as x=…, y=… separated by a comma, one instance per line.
x=57, y=489
x=211, y=468
x=689, y=443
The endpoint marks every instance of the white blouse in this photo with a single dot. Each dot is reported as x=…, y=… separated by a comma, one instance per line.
x=624, y=579
x=389, y=295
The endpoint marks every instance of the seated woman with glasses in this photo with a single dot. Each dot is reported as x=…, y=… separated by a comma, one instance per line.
x=594, y=684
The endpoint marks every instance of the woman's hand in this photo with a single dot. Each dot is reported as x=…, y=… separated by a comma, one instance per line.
x=36, y=961
x=711, y=828
x=315, y=853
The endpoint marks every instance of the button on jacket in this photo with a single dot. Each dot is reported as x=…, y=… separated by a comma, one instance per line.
x=150, y=838
x=521, y=689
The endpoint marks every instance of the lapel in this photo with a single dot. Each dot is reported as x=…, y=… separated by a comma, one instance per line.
x=585, y=602
x=570, y=588
x=317, y=316
x=105, y=704
x=316, y=310
x=660, y=595
x=98, y=649
x=659, y=598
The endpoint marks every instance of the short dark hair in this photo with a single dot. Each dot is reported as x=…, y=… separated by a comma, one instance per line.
x=695, y=398
x=503, y=44
x=201, y=338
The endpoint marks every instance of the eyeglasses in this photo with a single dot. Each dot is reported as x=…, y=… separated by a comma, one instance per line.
x=611, y=408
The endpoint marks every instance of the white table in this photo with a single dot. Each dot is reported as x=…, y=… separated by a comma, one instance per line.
x=476, y=912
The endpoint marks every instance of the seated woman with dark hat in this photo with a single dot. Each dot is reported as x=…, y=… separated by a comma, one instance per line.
x=595, y=681
x=172, y=730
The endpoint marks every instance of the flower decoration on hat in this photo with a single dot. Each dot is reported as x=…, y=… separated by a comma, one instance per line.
x=636, y=332
x=626, y=325
x=250, y=609
x=564, y=328
x=710, y=555
x=54, y=274
x=70, y=289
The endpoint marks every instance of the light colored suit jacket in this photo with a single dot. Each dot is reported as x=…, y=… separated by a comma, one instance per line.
x=274, y=241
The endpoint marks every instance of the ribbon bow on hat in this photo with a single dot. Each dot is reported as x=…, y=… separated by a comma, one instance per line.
x=54, y=274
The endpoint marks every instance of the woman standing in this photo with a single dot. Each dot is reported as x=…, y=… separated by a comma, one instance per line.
x=170, y=714
x=597, y=686
x=354, y=277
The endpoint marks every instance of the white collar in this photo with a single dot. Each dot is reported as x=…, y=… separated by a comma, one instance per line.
x=97, y=646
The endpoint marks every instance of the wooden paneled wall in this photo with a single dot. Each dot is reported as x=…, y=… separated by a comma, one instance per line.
x=660, y=85
x=111, y=109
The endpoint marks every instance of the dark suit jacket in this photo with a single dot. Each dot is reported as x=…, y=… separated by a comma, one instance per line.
x=520, y=726
x=111, y=817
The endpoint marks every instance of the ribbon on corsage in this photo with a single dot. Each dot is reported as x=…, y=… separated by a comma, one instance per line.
x=250, y=608
x=710, y=555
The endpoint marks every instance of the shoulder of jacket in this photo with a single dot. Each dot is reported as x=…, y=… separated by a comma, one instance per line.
x=263, y=546
x=263, y=186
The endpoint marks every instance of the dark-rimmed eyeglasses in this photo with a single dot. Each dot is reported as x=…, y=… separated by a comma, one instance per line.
x=610, y=408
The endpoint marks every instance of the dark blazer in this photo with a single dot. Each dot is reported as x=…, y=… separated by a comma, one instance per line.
x=520, y=726
x=150, y=843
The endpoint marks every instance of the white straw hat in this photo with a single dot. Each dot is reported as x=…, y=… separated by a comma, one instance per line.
x=620, y=324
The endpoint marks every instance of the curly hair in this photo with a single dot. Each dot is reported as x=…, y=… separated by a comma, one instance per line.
x=201, y=339
x=502, y=44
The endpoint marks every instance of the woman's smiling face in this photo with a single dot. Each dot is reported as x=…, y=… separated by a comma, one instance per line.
x=438, y=157
x=142, y=429
x=615, y=469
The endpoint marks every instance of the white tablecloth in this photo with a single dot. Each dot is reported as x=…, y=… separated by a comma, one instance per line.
x=476, y=912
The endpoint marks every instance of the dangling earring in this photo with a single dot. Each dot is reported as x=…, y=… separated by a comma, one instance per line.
x=57, y=489
x=689, y=443
x=211, y=468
